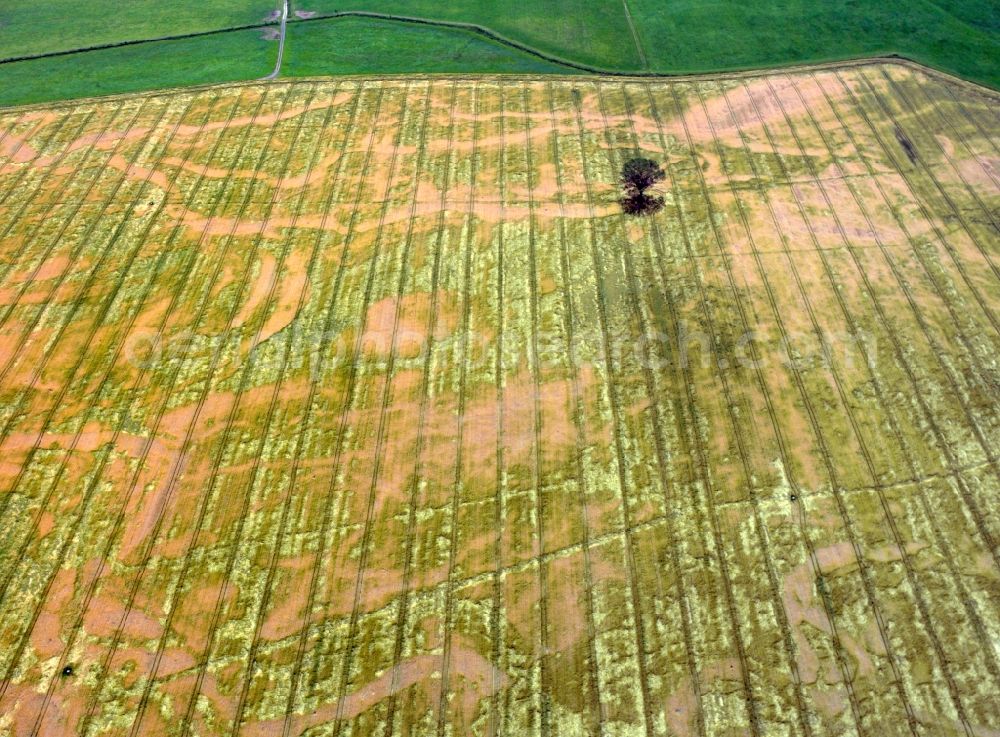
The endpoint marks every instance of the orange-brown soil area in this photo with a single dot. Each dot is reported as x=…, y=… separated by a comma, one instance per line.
x=346, y=410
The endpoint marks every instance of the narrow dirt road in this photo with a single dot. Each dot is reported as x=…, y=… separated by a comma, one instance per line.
x=281, y=42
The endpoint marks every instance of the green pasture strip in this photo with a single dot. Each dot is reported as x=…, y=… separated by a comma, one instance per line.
x=958, y=36
x=225, y=57
x=373, y=46
x=593, y=32
x=60, y=25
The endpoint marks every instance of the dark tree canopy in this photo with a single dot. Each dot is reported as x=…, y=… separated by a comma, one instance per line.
x=640, y=174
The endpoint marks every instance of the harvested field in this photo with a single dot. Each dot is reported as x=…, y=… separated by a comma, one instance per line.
x=357, y=408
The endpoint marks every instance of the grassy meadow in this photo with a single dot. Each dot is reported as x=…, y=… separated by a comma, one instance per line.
x=958, y=36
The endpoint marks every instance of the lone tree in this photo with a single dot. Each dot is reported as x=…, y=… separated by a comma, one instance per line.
x=638, y=175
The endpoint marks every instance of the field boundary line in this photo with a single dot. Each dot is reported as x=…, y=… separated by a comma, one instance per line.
x=987, y=93
x=135, y=42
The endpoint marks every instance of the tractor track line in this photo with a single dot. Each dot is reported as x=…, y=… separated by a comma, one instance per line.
x=174, y=479
x=314, y=580
x=382, y=429
x=544, y=677
x=614, y=398
x=356, y=359
x=700, y=451
x=580, y=439
x=917, y=592
x=667, y=488
x=75, y=254
x=902, y=94
x=970, y=118
x=317, y=373
x=76, y=302
x=175, y=373
x=915, y=471
x=457, y=485
x=822, y=447
x=970, y=501
x=263, y=428
x=685, y=378
x=91, y=588
x=942, y=443
x=22, y=396
x=279, y=538
x=61, y=394
x=929, y=175
x=804, y=526
x=425, y=393
x=57, y=160
x=497, y=620
x=78, y=621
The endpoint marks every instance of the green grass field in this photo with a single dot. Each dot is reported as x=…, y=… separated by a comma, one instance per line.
x=958, y=36
x=363, y=45
x=58, y=25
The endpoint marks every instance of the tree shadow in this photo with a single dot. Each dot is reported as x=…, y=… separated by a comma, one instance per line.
x=641, y=203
